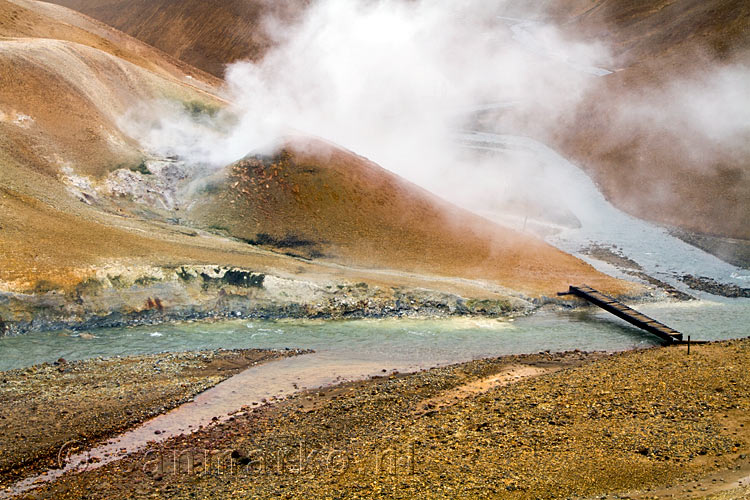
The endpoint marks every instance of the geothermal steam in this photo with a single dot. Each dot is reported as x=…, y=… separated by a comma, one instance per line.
x=394, y=81
x=390, y=80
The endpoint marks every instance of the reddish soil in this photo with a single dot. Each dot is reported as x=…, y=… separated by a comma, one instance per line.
x=655, y=172
x=313, y=198
x=207, y=35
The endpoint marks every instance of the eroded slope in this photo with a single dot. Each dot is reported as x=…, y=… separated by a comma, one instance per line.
x=316, y=200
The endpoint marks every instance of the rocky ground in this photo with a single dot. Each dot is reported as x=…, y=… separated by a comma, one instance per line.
x=733, y=250
x=613, y=256
x=712, y=286
x=134, y=295
x=644, y=424
x=45, y=406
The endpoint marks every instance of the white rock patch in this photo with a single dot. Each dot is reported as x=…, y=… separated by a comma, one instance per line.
x=157, y=189
x=23, y=121
x=81, y=187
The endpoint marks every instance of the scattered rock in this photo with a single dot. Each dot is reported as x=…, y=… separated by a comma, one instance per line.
x=713, y=287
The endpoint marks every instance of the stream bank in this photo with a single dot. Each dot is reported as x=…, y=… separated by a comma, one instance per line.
x=118, y=296
x=586, y=425
x=69, y=405
x=346, y=350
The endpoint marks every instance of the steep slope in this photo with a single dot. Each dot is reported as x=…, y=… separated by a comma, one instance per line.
x=314, y=199
x=94, y=228
x=641, y=167
x=638, y=30
x=65, y=81
x=34, y=19
x=207, y=35
x=639, y=132
x=65, y=88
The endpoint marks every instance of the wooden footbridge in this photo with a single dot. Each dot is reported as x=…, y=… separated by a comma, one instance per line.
x=667, y=334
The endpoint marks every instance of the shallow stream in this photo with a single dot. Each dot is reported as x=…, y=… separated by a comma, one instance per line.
x=395, y=343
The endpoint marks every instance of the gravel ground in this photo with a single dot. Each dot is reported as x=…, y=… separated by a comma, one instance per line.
x=630, y=425
x=45, y=406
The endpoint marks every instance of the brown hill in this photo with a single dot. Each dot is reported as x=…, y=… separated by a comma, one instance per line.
x=207, y=35
x=65, y=80
x=640, y=167
x=652, y=164
x=33, y=19
x=638, y=30
x=314, y=199
x=659, y=173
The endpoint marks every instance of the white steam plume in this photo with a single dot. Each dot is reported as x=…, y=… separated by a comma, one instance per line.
x=708, y=114
x=389, y=79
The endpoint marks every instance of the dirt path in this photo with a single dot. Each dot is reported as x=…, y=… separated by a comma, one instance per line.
x=509, y=375
x=47, y=407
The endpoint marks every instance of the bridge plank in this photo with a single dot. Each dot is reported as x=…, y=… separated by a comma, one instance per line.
x=635, y=318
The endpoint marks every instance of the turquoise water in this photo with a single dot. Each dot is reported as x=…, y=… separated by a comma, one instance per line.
x=397, y=342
